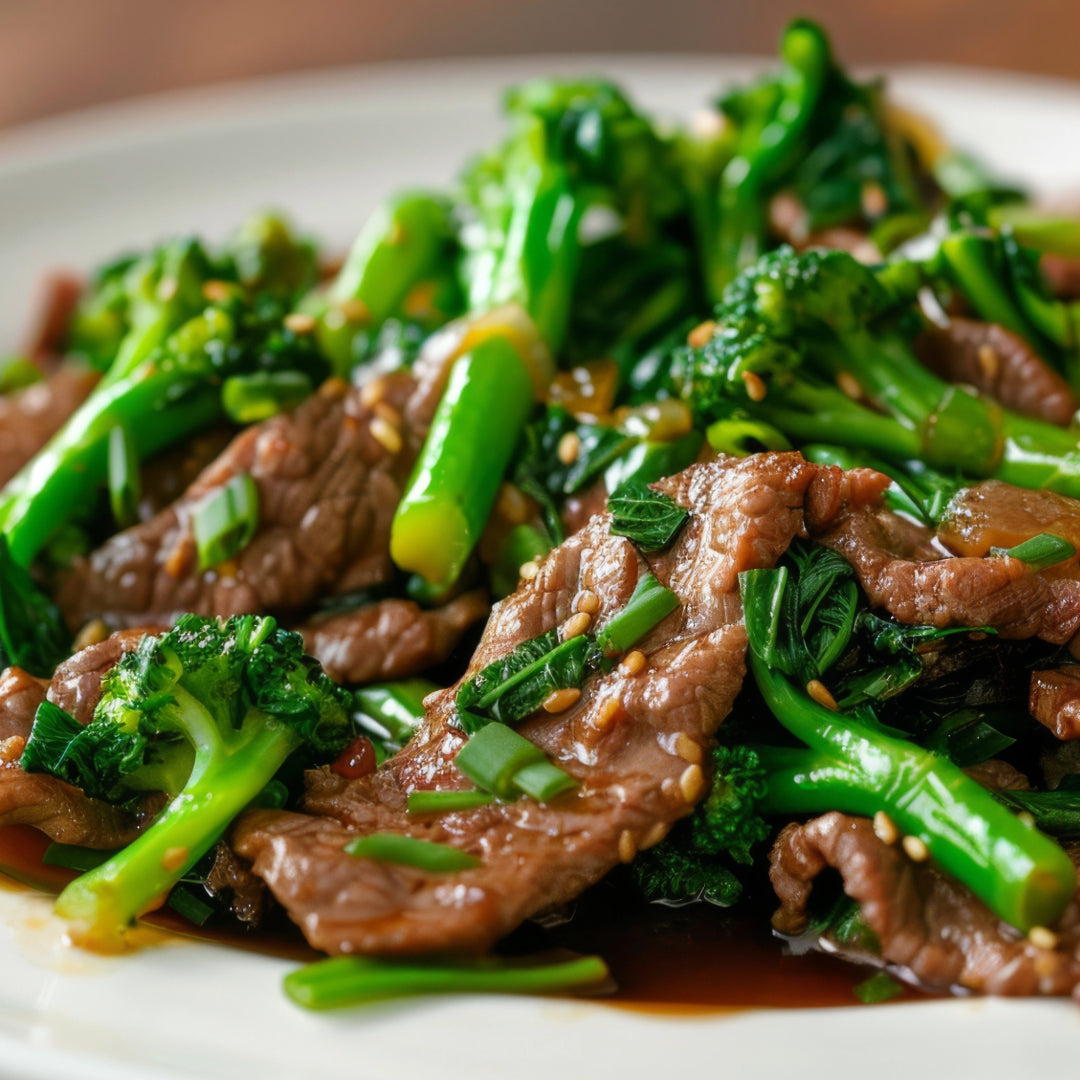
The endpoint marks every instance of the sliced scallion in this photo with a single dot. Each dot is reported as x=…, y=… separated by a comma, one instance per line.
x=543, y=781
x=409, y=851
x=647, y=607
x=226, y=520
x=496, y=757
x=439, y=802
x=248, y=399
x=1040, y=551
x=123, y=477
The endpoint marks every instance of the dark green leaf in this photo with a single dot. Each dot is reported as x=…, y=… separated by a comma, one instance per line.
x=33, y=634
x=644, y=516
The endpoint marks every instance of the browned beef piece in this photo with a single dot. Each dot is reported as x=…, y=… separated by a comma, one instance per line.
x=246, y=893
x=31, y=416
x=635, y=740
x=76, y=683
x=327, y=487
x=998, y=363
x=1063, y=275
x=48, y=338
x=391, y=639
x=788, y=222
x=20, y=695
x=997, y=775
x=1054, y=700
x=925, y=921
x=167, y=476
x=899, y=570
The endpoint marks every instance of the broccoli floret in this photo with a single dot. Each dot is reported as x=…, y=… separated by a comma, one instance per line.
x=207, y=713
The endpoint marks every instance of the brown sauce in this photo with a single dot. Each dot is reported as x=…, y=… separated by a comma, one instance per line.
x=682, y=961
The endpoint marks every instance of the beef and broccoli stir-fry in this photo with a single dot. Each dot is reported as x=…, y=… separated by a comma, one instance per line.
x=695, y=511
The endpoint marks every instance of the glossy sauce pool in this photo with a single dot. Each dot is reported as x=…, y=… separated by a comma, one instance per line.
x=689, y=960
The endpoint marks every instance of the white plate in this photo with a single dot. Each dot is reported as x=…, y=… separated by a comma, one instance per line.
x=77, y=189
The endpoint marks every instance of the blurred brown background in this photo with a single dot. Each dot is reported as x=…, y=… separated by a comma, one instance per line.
x=57, y=55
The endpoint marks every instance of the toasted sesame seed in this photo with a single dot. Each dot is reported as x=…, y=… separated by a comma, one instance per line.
x=1046, y=965
x=215, y=291
x=373, y=392
x=587, y=601
x=355, y=310
x=653, y=836
x=529, y=570
x=1027, y=817
x=633, y=663
x=820, y=693
x=688, y=749
x=627, y=846
x=511, y=505
x=560, y=700
x=915, y=849
x=227, y=569
x=989, y=361
x=92, y=633
x=569, y=448
x=576, y=625
x=1042, y=938
x=885, y=828
x=334, y=387
x=849, y=385
x=692, y=783
x=299, y=322
x=387, y=412
x=386, y=435
x=607, y=714
x=174, y=858
x=874, y=200
x=701, y=334
x=755, y=386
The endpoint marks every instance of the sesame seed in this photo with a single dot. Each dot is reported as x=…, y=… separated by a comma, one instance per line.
x=653, y=836
x=849, y=385
x=569, y=448
x=627, y=846
x=1046, y=965
x=669, y=787
x=633, y=663
x=355, y=311
x=915, y=849
x=607, y=714
x=692, y=783
x=688, y=749
x=334, y=387
x=819, y=692
x=215, y=291
x=885, y=828
x=1042, y=938
x=576, y=625
x=1027, y=817
x=560, y=700
x=874, y=201
x=512, y=505
x=701, y=334
x=755, y=386
x=387, y=412
x=372, y=393
x=386, y=435
x=174, y=858
x=94, y=632
x=529, y=570
x=299, y=322
x=989, y=361
x=587, y=601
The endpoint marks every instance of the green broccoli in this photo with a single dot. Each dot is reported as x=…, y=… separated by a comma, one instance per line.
x=208, y=713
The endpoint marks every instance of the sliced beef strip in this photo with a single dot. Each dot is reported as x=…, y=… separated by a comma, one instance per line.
x=390, y=639
x=897, y=568
x=30, y=417
x=48, y=338
x=245, y=892
x=1054, y=700
x=926, y=922
x=998, y=363
x=633, y=741
x=788, y=222
x=20, y=695
x=327, y=488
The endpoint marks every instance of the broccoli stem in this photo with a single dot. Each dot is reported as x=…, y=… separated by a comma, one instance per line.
x=230, y=770
x=1022, y=875
x=488, y=399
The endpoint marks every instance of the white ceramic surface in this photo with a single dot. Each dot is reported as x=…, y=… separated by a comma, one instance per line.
x=78, y=189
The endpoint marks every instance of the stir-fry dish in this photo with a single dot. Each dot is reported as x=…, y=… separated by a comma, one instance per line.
x=686, y=513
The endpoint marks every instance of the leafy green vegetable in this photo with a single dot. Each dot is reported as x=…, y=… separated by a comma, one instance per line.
x=648, y=518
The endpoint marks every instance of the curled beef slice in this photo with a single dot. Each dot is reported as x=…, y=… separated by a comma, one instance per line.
x=390, y=639
x=926, y=922
x=20, y=695
x=1054, y=700
x=329, y=476
x=634, y=742
x=899, y=570
x=998, y=363
x=30, y=417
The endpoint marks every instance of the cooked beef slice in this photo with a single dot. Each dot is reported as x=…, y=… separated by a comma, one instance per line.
x=901, y=572
x=998, y=363
x=47, y=340
x=789, y=223
x=20, y=695
x=246, y=894
x=1054, y=700
x=926, y=922
x=166, y=476
x=30, y=417
x=634, y=741
x=76, y=683
x=390, y=639
x=1062, y=274
x=328, y=488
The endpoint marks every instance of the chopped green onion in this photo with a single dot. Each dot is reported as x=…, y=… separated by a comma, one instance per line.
x=878, y=988
x=248, y=399
x=438, y=802
x=408, y=851
x=74, y=857
x=1040, y=551
x=355, y=980
x=496, y=757
x=226, y=521
x=189, y=905
x=123, y=476
x=645, y=517
x=649, y=605
x=393, y=711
